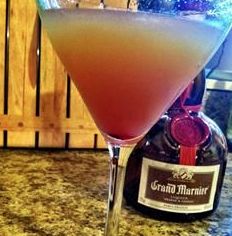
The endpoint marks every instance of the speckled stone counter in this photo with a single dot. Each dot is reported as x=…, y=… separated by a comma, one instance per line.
x=61, y=193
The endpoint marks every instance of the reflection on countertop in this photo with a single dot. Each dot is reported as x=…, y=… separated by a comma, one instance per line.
x=59, y=193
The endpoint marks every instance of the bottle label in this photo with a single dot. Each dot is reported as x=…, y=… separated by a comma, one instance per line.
x=178, y=188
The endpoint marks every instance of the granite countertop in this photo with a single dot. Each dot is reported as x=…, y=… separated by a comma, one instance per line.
x=59, y=193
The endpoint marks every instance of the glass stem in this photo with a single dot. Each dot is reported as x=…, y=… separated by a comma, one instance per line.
x=118, y=161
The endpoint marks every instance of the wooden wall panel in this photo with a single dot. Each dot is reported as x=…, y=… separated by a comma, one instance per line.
x=43, y=109
x=2, y=59
x=52, y=104
x=81, y=140
x=101, y=143
x=78, y=111
x=22, y=67
x=2, y=51
x=116, y=3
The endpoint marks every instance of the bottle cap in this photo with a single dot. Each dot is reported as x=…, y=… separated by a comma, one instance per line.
x=189, y=131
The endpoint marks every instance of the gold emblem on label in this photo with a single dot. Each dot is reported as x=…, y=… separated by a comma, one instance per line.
x=182, y=174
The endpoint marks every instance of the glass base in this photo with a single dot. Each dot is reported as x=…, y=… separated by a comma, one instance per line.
x=119, y=142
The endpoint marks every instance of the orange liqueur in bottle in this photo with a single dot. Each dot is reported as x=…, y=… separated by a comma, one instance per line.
x=176, y=172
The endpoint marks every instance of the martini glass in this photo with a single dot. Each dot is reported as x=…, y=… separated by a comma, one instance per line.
x=129, y=61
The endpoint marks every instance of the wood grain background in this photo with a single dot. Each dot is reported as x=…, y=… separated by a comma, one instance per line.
x=39, y=105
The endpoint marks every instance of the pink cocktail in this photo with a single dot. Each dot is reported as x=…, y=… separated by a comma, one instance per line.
x=129, y=66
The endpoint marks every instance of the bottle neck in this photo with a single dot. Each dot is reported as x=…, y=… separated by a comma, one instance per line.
x=187, y=130
x=191, y=99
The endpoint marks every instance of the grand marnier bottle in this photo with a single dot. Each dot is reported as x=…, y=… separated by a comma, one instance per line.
x=176, y=172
